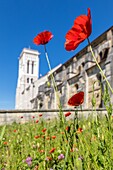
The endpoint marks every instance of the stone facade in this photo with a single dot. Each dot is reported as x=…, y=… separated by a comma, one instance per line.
x=78, y=73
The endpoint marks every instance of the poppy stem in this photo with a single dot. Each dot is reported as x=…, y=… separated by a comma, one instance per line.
x=54, y=85
x=102, y=73
x=47, y=58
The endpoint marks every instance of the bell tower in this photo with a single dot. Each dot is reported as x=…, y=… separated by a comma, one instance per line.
x=28, y=71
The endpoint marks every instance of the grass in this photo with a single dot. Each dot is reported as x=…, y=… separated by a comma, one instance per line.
x=88, y=147
x=73, y=144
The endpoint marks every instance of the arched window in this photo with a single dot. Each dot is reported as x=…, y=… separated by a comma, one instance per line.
x=28, y=66
x=32, y=68
x=31, y=80
x=27, y=80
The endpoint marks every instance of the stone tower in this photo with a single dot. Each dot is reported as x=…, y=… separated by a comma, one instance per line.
x=28, y=72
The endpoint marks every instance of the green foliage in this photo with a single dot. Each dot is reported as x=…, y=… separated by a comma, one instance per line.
x=91, y=148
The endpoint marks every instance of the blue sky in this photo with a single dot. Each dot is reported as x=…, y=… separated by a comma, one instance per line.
x=22, y=20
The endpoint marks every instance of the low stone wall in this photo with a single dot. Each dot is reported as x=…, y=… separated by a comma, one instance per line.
x=22, y=116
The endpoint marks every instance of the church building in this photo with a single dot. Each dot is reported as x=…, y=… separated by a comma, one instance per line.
x=79, y=73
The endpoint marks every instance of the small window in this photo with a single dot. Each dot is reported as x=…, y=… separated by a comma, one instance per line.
x=32, y=69
x=76, y=85
x=28, y=66
x=27, y=80
x=32, y=80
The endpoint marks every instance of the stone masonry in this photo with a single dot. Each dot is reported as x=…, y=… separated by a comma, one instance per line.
x=78, y=73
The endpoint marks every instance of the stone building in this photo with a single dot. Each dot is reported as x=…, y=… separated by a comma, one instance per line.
x=78, y=73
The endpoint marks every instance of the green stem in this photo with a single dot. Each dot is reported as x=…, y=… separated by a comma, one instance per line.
x=99, y=66
x=54, y=85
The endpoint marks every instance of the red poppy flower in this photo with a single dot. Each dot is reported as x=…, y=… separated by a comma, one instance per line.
x=52, y=150
x=67, y=114
x=43, y=38
x=77, y=99
x=81, y=30
x=41, y=151
x=40, y=115
x=36, y=137
x=79, y=130
x=67, y=128
x=21, y=117
x=5, y=143
x=37, y=121
x=48, y=138
x=33, y=117
x=53, y=137
x=44, y=130
x=14, y=130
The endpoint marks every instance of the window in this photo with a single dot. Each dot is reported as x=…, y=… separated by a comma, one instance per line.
x=32, y=80
x=27, y=80
x=28, y=66
x=32, y=68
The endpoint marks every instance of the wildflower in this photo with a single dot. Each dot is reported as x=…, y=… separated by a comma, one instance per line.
x=53, y=137
x=81, y=30
x=5, y=143
x=36, y=137
x=37, y=121
x=14, y=130
x=21, y=117
x=79, y=130
x=41, y=151
x=44, y=130
x=36, y=167
x=29, y=161
x=48, y=158
x=43, y=38
x=62, y=133
x=52, y=150
x=48, y=138
x=33, y=117
x=80, y=158
x=72, y=149
x=40, y=115
x=61, y=156
x=43, y=136
x=68, y=129
x=76, y=99
x=67, y=114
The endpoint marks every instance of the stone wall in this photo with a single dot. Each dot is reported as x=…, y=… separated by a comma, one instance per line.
x=79, y=73
x=22, y=116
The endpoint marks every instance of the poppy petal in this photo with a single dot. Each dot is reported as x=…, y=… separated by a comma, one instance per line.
x=81, y=30
x=43, y=38
x=76, y=99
